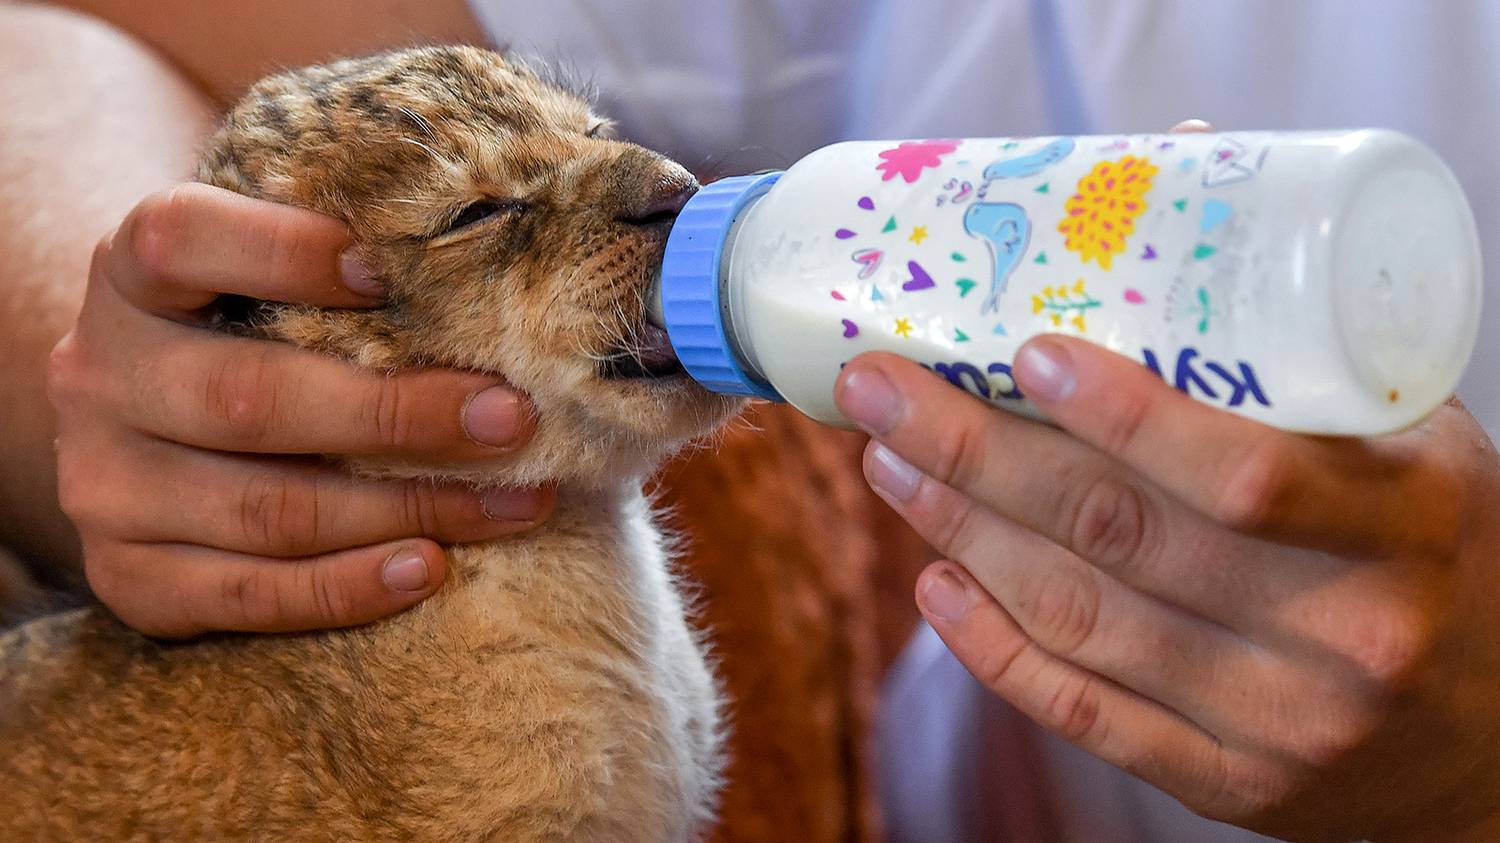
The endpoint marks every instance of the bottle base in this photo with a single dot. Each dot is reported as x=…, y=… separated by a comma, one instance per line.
x=1406, y=288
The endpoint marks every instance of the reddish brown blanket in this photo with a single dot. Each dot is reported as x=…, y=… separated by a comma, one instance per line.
x=806, y=584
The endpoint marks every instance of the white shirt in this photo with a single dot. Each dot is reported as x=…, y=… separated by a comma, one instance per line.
x=736, y=85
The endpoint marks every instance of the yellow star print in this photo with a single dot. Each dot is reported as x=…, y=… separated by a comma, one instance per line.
x=903, y=328
x=918, y=234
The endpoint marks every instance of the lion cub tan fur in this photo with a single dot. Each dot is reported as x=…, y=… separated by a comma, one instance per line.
x=552, y=689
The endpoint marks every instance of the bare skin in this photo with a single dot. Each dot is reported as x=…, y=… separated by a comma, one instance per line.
x=119, y=147
x=174, y=408
x=224, y=47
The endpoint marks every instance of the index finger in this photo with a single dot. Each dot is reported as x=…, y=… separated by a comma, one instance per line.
x=1335, y=494
x=252, y=396
x=182, y=248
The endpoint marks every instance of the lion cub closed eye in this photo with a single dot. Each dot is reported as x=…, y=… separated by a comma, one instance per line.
x=551, y=690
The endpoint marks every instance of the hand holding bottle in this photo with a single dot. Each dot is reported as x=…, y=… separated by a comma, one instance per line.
x=1291, y=633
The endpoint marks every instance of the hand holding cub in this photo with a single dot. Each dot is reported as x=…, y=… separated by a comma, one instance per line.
x=183, y=453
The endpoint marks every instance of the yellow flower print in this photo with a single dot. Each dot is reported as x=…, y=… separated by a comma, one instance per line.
x=1101, y=215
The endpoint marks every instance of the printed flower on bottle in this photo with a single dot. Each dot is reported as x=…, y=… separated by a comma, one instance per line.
x=1063, y=301
x=910, y=158
x=1103, y=212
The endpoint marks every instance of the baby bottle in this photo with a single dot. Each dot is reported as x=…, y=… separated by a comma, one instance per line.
x=1323, y=282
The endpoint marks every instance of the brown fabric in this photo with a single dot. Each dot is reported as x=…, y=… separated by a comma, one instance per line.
x=806, y=592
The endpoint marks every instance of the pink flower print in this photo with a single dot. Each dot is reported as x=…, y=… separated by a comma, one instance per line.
x=909, y=159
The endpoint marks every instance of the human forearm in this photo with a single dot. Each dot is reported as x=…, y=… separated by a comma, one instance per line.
x=225, y=46
x=93, y=121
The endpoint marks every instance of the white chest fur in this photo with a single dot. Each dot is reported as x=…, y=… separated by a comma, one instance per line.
x=577, y=672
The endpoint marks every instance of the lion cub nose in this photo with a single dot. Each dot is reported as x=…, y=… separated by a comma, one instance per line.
x=661, y=200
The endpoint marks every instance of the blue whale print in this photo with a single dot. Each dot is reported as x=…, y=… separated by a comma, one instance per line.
x=1003, y=227
x=1031, y=163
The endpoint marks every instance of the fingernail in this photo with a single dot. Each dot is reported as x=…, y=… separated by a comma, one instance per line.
x=357, y=276
x=511, y=504
x=891, y=474
x=1045, y=371
x=406, y=570
x=944, y=596
x=870, y=400
x=492, y=417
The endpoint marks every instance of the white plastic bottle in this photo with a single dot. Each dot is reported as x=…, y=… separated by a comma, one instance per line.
x=1323, y=282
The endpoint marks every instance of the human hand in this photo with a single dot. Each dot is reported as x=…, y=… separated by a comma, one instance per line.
x=1289, y=633
x=185, y=457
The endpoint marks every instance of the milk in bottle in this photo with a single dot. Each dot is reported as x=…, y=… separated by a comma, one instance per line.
x=1325, y=282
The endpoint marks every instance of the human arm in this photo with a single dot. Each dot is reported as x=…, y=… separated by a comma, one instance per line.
x=223, y=47
x=82, y=144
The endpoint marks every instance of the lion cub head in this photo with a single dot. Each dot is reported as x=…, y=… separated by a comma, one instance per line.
x=514, y=237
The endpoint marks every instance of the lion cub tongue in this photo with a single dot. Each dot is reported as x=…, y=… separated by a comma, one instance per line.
x=654, y=348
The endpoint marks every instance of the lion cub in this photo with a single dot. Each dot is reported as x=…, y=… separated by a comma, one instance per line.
x=552, y=689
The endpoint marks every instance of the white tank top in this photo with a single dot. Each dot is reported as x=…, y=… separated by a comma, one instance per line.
x=731, y=86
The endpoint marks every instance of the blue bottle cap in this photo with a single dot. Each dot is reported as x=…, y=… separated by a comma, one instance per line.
x=695, y=317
